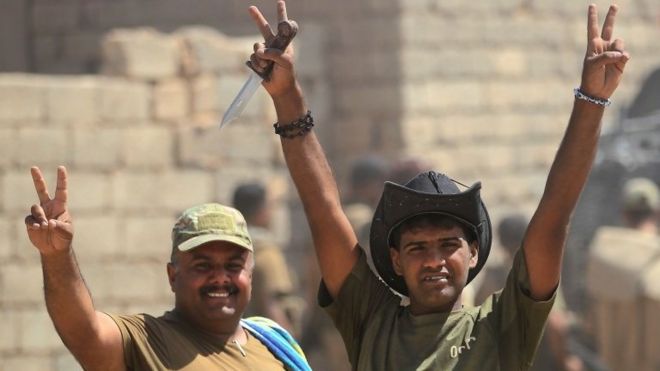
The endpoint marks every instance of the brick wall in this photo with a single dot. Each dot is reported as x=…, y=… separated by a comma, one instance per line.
x=393, y=62
x=487, y=87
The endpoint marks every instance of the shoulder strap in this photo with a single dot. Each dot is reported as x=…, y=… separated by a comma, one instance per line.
x=278, y=341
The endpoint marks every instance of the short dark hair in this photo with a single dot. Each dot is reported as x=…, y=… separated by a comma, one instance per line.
x=441, y=221
x=249, y=198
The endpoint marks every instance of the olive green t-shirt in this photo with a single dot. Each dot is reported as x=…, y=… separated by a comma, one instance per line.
x=380, y=334
x=167, y=343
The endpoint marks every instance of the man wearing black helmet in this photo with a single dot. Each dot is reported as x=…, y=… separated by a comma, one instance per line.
x=429, y=238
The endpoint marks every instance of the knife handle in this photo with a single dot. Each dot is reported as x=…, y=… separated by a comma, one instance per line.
x=286, y=31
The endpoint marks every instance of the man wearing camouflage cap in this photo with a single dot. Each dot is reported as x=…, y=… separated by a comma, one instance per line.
x=210, y=273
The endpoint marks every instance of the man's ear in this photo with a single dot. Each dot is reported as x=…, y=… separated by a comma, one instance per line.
x=171, y=275
x=396, y=261
x=250, y=264
x=474, y=254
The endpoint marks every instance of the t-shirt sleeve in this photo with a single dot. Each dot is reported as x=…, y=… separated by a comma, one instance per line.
x=144, y=346
x=520, y=319
x=129, y=326
x=361, y=294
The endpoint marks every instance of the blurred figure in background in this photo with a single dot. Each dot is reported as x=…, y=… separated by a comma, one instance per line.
x=407, y=168
x=641, y=201
x=273, y=293
x=650, y=284
x=367, y=176
x=619, y=258
x=510, y=233
x=553, y=353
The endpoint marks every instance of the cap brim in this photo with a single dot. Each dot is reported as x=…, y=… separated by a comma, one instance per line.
x=205, y=238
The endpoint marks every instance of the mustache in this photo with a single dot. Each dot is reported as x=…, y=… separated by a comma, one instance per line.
x=231, y=289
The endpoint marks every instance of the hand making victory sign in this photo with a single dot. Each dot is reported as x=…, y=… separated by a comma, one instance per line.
x=605, y=58
x=282, y=77
x=49, y=224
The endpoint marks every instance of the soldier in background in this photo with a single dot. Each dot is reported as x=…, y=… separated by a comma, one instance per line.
x=273, y=293
x=367, y=176
x=619, y=258
x=407, y=168
x=510, y=232
x=651, y=307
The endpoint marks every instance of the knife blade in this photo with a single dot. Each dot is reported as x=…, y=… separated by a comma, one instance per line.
x=286, y=31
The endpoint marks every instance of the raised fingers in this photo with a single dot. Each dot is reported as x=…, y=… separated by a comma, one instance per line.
x=261, y=23
x=281, y=11
x=608, y=25
x=592, y=22
x=39, y=185
x=61, y=190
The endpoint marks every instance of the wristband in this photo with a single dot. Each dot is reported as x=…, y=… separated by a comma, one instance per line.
x=598, y=101
x=299, y=127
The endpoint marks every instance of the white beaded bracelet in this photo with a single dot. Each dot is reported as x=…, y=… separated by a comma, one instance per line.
x=601, y=102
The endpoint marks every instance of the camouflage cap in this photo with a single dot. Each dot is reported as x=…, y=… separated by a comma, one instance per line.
x=210, y=222
x=641, y=194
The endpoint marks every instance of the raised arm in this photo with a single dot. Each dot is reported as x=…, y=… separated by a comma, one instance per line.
x=92, y=337
x=544, y=241
x=334, y=239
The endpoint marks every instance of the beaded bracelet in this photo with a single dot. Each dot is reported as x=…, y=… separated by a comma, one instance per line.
x=299, y=127
x=599, y=101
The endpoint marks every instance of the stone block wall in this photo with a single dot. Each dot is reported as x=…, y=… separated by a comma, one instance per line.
x=392, y=62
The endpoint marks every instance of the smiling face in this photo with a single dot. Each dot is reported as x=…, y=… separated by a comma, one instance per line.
x=434, y=260
x=212, y=284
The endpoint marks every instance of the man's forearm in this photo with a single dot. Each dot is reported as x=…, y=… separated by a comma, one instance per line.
x=68, y=300
x=574, y=159
x=334, y=239
x=307, y=163
x=546, y=235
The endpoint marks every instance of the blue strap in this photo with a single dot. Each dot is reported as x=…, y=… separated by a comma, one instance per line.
x=278, y=341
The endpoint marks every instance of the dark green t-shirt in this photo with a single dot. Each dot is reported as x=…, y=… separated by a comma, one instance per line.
x=380, y=334
x=167, y=343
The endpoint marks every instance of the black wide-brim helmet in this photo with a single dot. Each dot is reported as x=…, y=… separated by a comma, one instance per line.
x=427, y=193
